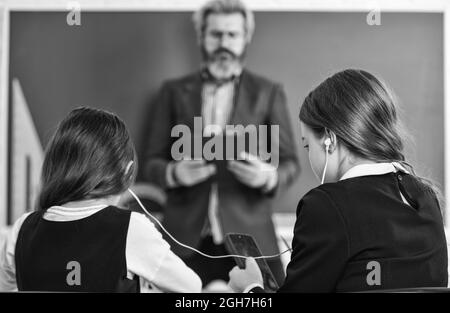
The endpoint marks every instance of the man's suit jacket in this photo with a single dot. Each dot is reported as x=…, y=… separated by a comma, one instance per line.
x=242, y=209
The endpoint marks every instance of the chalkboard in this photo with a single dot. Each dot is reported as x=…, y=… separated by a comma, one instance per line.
x=118, y=60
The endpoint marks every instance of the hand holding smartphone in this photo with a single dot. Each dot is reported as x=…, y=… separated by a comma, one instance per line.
x=242, y=244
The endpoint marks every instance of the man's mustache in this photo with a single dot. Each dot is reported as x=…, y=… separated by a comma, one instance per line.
x=219, y=51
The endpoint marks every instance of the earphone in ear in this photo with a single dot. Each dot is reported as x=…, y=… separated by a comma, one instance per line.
x=127, y=170
x=327, y=143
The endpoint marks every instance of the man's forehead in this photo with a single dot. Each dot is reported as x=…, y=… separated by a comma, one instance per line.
x=223, y=21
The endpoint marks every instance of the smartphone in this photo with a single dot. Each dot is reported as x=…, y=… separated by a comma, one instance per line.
x=243, y=244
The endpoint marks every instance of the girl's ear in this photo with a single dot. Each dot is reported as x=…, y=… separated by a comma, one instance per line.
x=333, y=138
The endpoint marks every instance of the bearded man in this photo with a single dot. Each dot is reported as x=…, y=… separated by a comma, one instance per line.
x=206, y=200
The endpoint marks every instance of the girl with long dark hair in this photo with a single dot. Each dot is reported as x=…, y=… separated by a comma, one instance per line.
x=372, y=223
x=79, y=240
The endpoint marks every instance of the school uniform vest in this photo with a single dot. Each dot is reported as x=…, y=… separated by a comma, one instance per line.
x=85, y=255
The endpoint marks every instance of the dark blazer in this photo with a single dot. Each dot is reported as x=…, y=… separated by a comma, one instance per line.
x=241, y=209
x=343, y=226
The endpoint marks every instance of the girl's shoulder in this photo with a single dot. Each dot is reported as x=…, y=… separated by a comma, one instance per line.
x=344, y=193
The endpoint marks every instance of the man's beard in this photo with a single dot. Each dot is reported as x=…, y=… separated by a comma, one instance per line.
x=223, y=63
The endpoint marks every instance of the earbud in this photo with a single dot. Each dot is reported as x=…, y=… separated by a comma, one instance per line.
x=128, y=167
x=327, y=143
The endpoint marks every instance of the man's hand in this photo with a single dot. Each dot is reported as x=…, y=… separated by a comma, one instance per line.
x=253, y=172
x=240, y=279
x=191, y=172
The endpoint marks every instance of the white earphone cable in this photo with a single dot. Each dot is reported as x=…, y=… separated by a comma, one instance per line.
x=195, y=250
x=326, y=163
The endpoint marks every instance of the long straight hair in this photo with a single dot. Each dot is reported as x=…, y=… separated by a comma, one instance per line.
x=362, y=112
x=87, y=158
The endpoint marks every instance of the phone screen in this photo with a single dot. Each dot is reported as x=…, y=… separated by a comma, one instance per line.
x=242, y=244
